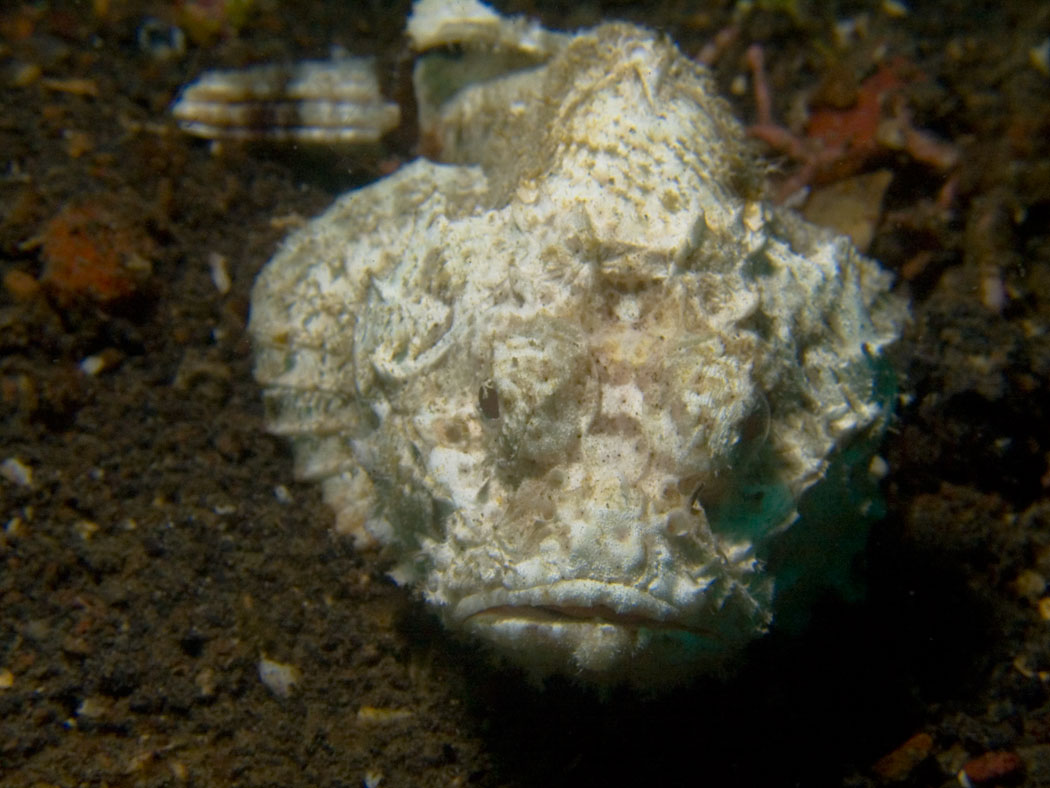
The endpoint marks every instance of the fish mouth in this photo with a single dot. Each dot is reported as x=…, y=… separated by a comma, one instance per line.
x=605, y=632
x=551, y=615
x=572, y=602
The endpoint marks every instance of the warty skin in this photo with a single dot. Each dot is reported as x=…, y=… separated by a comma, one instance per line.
x=576, y=376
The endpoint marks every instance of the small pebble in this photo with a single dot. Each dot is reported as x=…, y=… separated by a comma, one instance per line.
x=375, y=714
x=894, y=8
x=1044, y=608
x=206, y=682
x=92, y=365
x=992, y=766
x=16, y=472
x=878, y=467
x=75, y=87
x=278, y=677
x=160, y=40
x=25, y=74
x=899, y=763
x=1039, y=57
x=20, y=285
x=1030, y=584
x=14, y=527
x=86, y=529
x=92, y=707
x=77, y=143
x=220, y=274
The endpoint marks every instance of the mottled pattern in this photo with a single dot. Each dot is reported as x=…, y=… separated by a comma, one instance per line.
x=578, y=377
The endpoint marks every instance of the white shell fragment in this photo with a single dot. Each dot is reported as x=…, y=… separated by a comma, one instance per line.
x=578, y=376
x=278, y=677
x=17, y=472
x=434, y=24
x=329, y=101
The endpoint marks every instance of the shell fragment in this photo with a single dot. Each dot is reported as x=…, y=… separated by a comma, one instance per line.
x=325, y=101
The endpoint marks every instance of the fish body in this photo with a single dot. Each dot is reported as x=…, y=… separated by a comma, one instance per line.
x=576, y=376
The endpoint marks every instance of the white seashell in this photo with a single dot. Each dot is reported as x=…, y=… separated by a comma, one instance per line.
x=437, y=23
x=325, y=101
x=579, y=377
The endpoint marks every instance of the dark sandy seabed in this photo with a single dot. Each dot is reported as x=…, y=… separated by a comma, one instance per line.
x=162, y=548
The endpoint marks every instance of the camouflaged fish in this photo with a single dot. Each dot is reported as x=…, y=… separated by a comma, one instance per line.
x=610, y=411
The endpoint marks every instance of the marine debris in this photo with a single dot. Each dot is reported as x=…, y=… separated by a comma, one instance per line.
x=838, y=142
x=328, y=101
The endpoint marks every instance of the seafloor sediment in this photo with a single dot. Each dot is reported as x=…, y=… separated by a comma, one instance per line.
x=155, y=551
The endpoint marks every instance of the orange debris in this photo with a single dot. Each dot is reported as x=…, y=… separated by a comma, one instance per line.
x=20, y=285
x=992, y=767
x=899, y=763
x=90, y=250
x=839, y=142
x=20, y=23
x=856, y=127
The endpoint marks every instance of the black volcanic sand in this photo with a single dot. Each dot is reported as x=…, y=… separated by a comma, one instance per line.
x=162, y=548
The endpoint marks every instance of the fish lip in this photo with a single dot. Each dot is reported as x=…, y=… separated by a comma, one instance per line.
x=552, y=615
x=573, y=601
